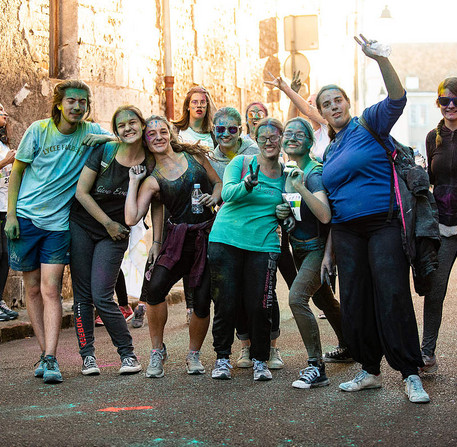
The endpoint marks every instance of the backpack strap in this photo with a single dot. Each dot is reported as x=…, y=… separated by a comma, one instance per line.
x=109, y=153
x=391, y=157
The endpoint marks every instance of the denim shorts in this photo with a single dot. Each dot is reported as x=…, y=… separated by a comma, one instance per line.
x=36, y=246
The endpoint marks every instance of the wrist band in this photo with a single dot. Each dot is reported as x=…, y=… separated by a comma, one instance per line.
x=157, y=242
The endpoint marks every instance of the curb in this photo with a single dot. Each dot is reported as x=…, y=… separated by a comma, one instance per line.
x=22, y=328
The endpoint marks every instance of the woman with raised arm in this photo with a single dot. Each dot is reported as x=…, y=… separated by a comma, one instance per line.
x=308, y=243
x=244, y=250
x=441, y=145
x=376, y=306
x=179, y=167
x=99, y=238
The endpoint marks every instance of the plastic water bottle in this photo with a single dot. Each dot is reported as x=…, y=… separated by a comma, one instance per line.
x=197, y=208
x=381, y=49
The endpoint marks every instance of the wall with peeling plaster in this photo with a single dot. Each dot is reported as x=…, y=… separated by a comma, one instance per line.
x=117, y=47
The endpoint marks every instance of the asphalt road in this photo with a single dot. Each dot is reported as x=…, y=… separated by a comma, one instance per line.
x=183, y=410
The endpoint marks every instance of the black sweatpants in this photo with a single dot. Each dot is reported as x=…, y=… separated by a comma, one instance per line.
x=376, y=305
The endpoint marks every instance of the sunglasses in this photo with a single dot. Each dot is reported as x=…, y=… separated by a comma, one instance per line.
x=445, y=101
x=298, y=136
x=273, y=139
x=259, y=114
x=232, y=129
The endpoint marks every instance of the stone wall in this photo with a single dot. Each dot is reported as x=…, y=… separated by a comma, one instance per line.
x=117, y=47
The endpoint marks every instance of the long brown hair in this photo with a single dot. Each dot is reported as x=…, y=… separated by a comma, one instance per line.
x=59, y=93
x=183, y=122
x=175, y=143
x=451, y=85
x=331, y=130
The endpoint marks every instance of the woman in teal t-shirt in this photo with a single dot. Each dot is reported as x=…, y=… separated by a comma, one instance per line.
x=244, y=249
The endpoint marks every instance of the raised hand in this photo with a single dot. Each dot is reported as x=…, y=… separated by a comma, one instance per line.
x=372, y=48
x=137, y=172
x=275, y=82
x=252, y=180
x=295, y=85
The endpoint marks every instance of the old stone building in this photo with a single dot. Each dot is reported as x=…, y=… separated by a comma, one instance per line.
x=121, y=47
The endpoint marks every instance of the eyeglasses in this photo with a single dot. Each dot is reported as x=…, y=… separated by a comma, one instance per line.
x=298, y=136
x=259, y=114
x=445, y=101
x=272, y=139
x=232, y=129
x=196, y=103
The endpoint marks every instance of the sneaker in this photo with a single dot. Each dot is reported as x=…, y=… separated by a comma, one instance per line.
x=4, y=316
x=430, y=364
x=338, y=355
x=243, y=360
x=39, y=370
x=138, y=316
x=99, y=322
x=222, y=369
x=415, y=391
x=311, y=377
x=189, y=313
x=157, y=359
x=261, y=371
x=51, y=371
x=362, y=381
x=193, y=364
x=130, y=365
x=127, y=313
x=275, y=362
x=90, y=367
x=6, y=310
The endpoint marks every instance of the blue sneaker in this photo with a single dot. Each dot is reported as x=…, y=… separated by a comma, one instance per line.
x=51, y=372
x=39, y=370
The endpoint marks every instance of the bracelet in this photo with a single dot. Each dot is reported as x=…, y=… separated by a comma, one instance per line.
x=157, y=242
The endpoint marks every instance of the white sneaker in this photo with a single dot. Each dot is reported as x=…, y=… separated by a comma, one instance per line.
x=275, y=362
x=130, y=365
x=243, y=360
x=415, y=391
x=261, y=371
x=193, y=364
x=362, y=381
x=222, y=369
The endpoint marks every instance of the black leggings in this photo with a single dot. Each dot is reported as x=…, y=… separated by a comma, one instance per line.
x=4, y=265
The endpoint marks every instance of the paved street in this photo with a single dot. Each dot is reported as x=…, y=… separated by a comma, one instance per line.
x=182, y=410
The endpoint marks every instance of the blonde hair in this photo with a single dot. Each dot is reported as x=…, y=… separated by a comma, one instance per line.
x=451, y=85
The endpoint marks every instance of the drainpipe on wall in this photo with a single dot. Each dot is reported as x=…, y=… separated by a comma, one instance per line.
x=168, y=62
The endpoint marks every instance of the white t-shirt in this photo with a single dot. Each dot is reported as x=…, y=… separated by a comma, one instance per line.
x=190, y=136
x=4, y=178
x=321, y=143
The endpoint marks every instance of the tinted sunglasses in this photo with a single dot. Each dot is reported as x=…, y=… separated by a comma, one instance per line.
x=256, y=114
x=445, y=101
x=232, y=129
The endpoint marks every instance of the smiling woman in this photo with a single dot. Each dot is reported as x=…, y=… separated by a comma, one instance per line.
x=243, y=267
x=99, y=237
x=179, y=166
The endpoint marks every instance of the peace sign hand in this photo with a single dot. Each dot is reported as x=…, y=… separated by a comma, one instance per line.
x=252, y=179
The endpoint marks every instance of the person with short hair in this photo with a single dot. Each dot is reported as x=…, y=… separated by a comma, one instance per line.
x=42, y=186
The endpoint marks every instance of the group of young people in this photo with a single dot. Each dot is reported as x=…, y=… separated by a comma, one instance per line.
x=74, y=190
